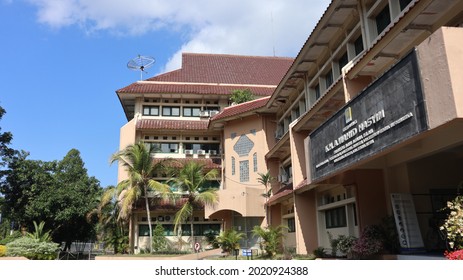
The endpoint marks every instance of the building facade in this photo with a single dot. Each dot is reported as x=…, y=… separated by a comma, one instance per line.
x=171, y=112
x=368, y=124
x=364, y=125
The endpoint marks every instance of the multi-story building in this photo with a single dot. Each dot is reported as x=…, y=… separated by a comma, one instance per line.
x=365, y=124
x=171, y=111
x=369, y=123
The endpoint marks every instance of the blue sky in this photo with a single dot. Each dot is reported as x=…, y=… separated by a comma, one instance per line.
x=62, y=61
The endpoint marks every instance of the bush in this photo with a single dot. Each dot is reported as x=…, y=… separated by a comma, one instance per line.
x=319, y=252
x=32, y=249
x=2, y=250
x=369, y=244
x=453, y=225
x=10, y=238
x=271, y=239
x=159, y=240
x=229, y=240
x=345, y=243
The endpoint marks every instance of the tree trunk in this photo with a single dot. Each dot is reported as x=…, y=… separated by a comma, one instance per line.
x=149, y=221
x=192, y=233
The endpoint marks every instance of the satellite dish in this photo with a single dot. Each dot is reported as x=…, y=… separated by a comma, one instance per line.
x=140, y=63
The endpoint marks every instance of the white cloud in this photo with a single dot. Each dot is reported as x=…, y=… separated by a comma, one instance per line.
x=238, y=27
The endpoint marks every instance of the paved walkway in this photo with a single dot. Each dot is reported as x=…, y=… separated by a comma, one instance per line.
x=196, y=256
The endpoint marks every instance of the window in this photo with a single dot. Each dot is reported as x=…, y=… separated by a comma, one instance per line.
x=191, y=111
x=202, y=146
x=291, y=225
x=233, y=166
x=329, y=79
x=336, y=217
x=342, y=61
x=383, y=19
x=317, y=91
x=404, y=3
x=358, y=45
x=199, y=229
x=165, y=147
x=170, y=111
x=243, y=146
x=254, y=159
x=244, y=171
x=150, y=110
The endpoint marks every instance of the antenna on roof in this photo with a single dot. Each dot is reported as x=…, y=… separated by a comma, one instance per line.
x=140, y=63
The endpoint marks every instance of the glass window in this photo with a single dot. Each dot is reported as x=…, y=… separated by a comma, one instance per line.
x=254, y=159
x=150, y=110
x=191, y=111
x=404, y=4
x=317, y=91
x=291, y=225
x=171, y=111
x=244, y=171
x=233, y=166
x=329, y=79
x=383, y=19
x=165, y=147
x=343, y=61
x=336, y=217
x=358, y=45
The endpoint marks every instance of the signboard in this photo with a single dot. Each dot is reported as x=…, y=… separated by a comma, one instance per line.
x=386, y=113
x=406, y=221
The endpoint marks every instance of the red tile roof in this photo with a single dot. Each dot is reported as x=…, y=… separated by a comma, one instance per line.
x=175, y=87
x=228, y=69
x=241, y=108
x=217, y=74
x=172, y=124
x=281, y=194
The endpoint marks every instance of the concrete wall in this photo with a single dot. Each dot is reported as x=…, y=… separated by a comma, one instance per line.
x=127, y=137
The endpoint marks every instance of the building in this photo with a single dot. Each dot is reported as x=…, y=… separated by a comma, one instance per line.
x=369, y=123
x=364, y=124
x=171, y=111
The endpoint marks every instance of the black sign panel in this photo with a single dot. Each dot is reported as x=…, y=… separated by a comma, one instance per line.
x=389, y=111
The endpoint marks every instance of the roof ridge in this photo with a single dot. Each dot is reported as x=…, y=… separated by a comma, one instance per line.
x=235, y=55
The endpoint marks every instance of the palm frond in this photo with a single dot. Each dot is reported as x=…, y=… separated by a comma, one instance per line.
x=182, y=215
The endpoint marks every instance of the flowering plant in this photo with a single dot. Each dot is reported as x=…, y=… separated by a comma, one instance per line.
x=369, y=244
x=455, y=255
x=453, y=225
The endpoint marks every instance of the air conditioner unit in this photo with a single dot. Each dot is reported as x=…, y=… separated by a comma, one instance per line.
x=213, y=152
x=282, y=178
x=201, y=152
x=188, y=152
x=204, y=114
x=167, y=218
x=213, y=113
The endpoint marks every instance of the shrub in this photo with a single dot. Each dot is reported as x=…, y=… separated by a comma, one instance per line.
x=10, y=238
x=271, y=239
x=345, y=243
x=455, y=255
x=2, y=250
x=32, y=249
x=159, y=240
x=369, y=244
x=229, y=240
x=319, y=252
x=453, y=225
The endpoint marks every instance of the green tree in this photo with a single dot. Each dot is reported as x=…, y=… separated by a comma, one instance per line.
x=271, y=238
x=192, y=180
x=229, y=240
x=140, y=166
x=5, y=140
x=159, y=240
x=265, y=179
x=109, y=228
x=60, y=193
x=240, y=96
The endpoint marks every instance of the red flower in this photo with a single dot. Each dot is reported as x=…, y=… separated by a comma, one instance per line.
x=454, y=255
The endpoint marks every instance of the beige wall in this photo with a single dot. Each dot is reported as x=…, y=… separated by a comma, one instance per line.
x=127, y=137
x=243, y=197
x=298, y=152
x=440, y=59
x=305, y=212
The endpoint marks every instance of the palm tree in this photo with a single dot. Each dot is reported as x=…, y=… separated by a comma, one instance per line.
x=271, y=238
x=111, y=229
x=141, y=168
x=191, y=180
x=265, y=179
